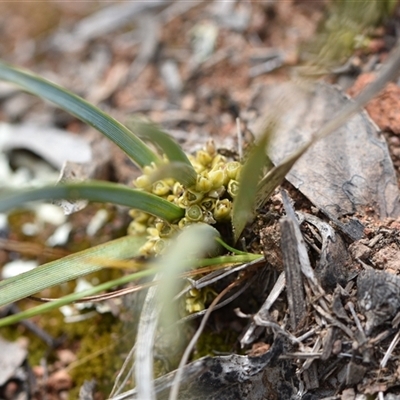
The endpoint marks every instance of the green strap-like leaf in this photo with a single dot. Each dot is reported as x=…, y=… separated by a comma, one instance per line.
x=152, y=133
x=103, y=192
x=137, y=150
x=68, y=268
x=70, y=298
x=177, y=170
x=243, y=205
x=12, y=319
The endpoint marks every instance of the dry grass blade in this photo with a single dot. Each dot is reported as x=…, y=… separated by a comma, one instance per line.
x=144, y=345
x=178, y=376
x=187, y=244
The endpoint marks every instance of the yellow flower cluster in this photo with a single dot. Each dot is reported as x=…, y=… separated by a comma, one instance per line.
x=196, y=299
x=208, y=201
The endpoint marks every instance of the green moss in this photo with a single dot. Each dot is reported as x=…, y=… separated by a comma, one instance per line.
x=98, y=343
x=99, y=352
x=211, y=343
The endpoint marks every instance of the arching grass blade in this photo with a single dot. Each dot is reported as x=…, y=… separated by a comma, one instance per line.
x=103, y=192
x=152, y=133
x=137, y=150
x=68, y=268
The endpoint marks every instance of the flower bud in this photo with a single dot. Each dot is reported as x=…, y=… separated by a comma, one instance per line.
x=189, y=197
x=169, y=181
x=172, y=198
x=203, y=158
x=152, y=232
x=217, y=178
x=194, y=213
x=149, y=169
x=184, y=222
x=159, y=246
x=233, y=187
x=218, y=161
x=139, y=216
x=147, y=249
x=222, y=210
x=232, y=169
x=210, y=147
x=160, y=188
x=193, y=305
x=136, y=228
x=164, y=229
x=178, y=189
x=199, y=168
x=208, y=204
x=203, y=184
x=217, y=193
x=142, y=181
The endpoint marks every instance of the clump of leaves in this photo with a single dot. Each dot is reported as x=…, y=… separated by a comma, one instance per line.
x=175, y=192
x=175, y=189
